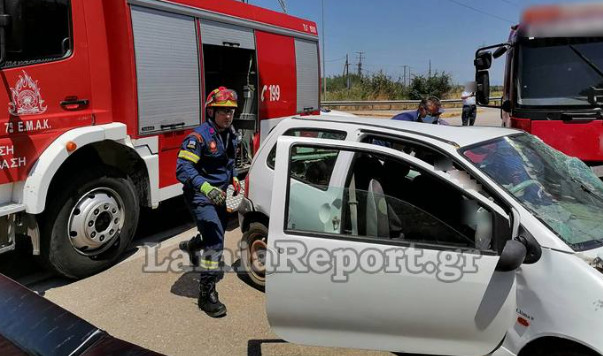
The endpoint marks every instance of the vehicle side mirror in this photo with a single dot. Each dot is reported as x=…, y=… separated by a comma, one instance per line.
x=499, y=52
x=506, y=106
x=512, y=256
x=483, y=61
x=533, y=249
x=482, y=94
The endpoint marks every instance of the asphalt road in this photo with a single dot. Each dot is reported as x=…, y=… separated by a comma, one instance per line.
x=158, y=310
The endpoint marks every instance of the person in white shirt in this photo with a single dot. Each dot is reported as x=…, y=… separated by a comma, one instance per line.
x=469, y=107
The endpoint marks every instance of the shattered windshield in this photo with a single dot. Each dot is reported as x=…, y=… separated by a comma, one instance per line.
x=559, y=190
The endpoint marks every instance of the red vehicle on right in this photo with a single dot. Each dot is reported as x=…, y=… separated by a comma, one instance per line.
x=553, y=85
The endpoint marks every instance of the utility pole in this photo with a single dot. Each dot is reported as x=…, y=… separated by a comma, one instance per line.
x=429, y=75
x=324, y=54
x=404, y=76
x=346, y=72
x=360, y=54
x=409, y=76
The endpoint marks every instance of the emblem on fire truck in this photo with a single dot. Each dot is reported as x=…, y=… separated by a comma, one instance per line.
x=27, y=99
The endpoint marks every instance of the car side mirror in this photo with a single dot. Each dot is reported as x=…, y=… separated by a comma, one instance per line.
x=512, y=256
x=533, y=249
x=482, y=94
x=483, y=60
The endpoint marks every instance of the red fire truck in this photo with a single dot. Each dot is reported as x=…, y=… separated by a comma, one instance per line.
x=553, y=86
x=99, y=94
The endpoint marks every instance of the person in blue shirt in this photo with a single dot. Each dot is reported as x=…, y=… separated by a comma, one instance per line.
x=429, y=112
x=206, y=167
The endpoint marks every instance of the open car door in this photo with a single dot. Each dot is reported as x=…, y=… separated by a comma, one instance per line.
x=381, y=270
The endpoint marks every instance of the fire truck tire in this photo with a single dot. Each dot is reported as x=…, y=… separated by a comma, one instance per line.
x=89, y=222
x=253, y=253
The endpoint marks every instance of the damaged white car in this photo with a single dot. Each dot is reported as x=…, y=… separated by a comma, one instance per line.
x=425, y=239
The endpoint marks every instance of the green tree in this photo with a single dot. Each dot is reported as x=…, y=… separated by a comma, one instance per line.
x=439, y=85
x=380, y=86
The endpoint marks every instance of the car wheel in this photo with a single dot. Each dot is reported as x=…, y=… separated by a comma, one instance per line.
x=253, y=253
x=567, y=352
x=89, y=222
x=556, y=348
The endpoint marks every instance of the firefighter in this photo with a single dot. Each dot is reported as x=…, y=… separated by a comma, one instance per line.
x=206, y=167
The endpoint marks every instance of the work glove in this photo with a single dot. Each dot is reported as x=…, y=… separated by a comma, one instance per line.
x=236, y=185
x=216, y=195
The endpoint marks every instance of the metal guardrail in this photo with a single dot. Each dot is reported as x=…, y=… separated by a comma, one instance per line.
x=395, y=104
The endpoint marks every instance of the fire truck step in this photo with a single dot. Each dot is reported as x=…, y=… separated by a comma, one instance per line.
x=11, y=208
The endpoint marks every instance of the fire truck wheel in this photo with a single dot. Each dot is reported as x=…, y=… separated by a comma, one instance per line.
x=89, y=222
x=253, y=253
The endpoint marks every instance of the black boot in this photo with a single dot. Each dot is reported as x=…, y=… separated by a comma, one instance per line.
x=191, y=247
x=208, y=300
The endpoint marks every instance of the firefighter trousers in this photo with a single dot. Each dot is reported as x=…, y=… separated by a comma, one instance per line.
x=211, y=222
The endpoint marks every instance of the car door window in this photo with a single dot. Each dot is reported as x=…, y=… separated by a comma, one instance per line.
x=314, y=204
x=305, y=132
x=390, y=200
x=313, y=166
x=439, y=160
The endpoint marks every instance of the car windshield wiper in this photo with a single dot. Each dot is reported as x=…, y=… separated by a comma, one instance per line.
x=587, y=60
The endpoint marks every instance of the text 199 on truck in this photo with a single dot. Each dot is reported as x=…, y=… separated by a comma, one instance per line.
x=98, y=96
x=553, y=84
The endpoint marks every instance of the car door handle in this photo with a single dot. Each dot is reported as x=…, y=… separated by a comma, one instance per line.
x=73, y=103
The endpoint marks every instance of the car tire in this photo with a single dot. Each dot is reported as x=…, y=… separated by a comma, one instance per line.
x=557, y=348
x=89, y=222
x=253, y=253
x=567, y=352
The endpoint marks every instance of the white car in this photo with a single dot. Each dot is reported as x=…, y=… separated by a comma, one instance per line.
x=425, y=239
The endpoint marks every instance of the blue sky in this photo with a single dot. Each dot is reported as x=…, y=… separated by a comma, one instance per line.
x=393, y=33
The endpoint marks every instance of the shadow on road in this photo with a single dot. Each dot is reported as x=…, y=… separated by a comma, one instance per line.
x=187, y=285
x=156, y=225
x=254, y=347
x=170, y=219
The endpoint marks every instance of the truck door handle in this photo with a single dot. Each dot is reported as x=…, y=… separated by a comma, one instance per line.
x=73, y=103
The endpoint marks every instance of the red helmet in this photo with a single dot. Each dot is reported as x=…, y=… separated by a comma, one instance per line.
x=222, y=97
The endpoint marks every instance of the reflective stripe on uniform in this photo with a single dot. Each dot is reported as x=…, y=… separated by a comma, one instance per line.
x=208, y=264
x=189, y=156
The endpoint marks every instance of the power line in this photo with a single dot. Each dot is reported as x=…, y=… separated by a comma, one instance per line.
x=509, y=2
x=283, y=4
x=481, y=11
x=335, y=60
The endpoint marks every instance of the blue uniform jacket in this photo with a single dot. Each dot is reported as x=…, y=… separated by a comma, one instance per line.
x=205, y=157
x=407, y=116
x=414, y=116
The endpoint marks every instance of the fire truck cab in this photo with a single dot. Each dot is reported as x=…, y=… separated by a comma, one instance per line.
x=98, y=96
x=553, y=84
